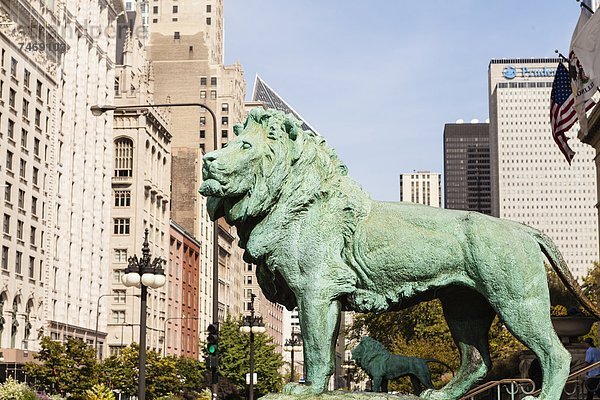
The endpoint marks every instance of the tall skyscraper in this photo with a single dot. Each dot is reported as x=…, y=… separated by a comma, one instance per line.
x=422, y=187
x=467, y=184
x=186, y=51
x=531, y=181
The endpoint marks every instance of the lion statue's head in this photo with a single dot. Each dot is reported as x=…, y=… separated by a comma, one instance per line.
x=271, y=159
x=367, y=351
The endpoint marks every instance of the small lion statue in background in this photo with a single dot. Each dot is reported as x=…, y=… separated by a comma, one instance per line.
x=381, y=366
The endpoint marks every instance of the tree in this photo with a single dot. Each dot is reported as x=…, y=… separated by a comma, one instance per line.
x=234, y=359
x=64, y=368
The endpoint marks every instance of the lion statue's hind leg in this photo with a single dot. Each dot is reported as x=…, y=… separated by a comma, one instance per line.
x=469, y=318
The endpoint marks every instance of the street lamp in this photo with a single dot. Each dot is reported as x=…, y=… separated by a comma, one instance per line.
x=252, y=324
x=292, y=345
x=348, y=366
x=145, y=273
x=98, y=111
x=98, y=315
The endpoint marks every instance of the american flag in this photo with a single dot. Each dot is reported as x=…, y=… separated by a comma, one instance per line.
x=562, y=112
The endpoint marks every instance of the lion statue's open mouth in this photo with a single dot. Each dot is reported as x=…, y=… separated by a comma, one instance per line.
x=321, y=244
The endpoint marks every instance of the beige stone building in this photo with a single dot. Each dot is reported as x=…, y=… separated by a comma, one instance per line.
x=140, y=197
x=56, y=169
x=186, y=50
x=421, y=187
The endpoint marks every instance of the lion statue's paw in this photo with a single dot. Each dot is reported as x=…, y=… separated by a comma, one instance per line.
x=296, y=388
x=432, y=394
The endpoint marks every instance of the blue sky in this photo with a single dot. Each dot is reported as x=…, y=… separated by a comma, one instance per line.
x=379, y=79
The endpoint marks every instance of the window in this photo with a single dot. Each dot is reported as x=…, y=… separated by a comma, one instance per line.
x=13, y=67
x=248, y=279
x=35, y=175
x=36, y=146
x=213, y=81
x=25, y=109
x=11, y=129
x=18, y=261
x=32, y=235
x=124, y=157
x=6, y=224
x=4, y=257
x=122, y=198
x=155, y=10
x=121, y=226
x=176, y=35
x=34, y=205
x=117, y=275
x=38, y=89
x=208, y=8
x=203, y=94
x=23, y=138
x=224, y=120
x=20, y=228
x=202, y=134
x=38, y=118
x=26, y=78
x=175, y=9
x=7, y=191
x=225, y=107
x=118, y=317
x=22, y=168
x=202, y=121
x=119, y=296
x=21, y=199
x=9, y=160
x=31, y=270
x=120, y=255
x=208, y=21
x=12, y=95
x=213, y=94
x=224, y=134
x=203, y=80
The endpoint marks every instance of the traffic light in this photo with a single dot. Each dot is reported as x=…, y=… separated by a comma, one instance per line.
x=212, y=340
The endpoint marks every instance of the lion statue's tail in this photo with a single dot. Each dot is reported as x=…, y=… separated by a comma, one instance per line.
x=562, y=270
x=433, y=360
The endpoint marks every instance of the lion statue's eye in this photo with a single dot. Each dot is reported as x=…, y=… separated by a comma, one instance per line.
x=246, y=145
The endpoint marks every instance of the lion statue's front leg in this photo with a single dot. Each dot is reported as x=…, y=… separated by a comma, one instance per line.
x=319, y=320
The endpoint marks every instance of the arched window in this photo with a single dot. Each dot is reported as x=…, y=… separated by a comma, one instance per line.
x=124, y=157
x=15, y=324
x=3, y=300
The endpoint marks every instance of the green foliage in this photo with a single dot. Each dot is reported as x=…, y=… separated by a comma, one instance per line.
x=14, y=390
x=165, y=376
x=99, y=392
x=234, y=359
x=421, y=331
x=64, y=368
x=591, y=283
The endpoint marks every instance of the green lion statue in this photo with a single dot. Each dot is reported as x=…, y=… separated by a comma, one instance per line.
x=381, y=366
x=321, y=244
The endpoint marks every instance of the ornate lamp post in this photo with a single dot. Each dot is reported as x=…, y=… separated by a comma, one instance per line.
x=292, y=345
x=252, y=324
x=144, y=273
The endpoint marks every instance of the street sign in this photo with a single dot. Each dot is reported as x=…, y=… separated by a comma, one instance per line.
x=248, y=378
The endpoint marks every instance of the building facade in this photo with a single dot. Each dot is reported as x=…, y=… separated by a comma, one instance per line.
x=531, y=181
x=186, y=50
x=181, y=325
x=140, y=180
x=422, y=187
x=467, y=184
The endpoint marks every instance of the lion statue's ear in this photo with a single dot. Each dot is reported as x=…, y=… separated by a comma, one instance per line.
x=293, y=130
x=238, y=129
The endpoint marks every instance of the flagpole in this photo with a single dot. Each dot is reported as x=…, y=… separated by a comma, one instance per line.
x=565, y=59
x=583, y=5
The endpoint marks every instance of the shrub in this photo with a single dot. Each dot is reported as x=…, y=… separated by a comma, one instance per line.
x=99, y=392
x=14, y=390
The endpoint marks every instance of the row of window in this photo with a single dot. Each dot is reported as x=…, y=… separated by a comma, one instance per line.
x=22, y=168
x=18, y=263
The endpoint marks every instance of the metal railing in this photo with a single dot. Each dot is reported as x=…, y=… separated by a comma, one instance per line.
x=516, y=388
